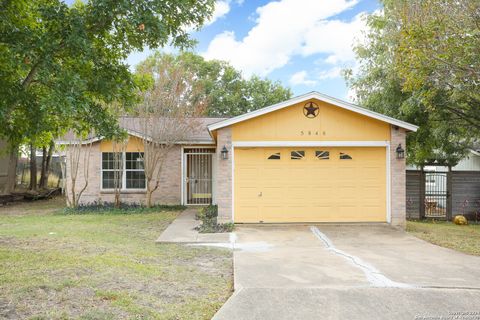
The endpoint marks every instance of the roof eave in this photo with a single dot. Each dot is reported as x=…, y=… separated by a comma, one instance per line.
x=475, y=152
x=318, y=96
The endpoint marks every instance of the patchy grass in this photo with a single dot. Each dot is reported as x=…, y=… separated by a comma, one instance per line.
x=91, y=266
x=446, y=234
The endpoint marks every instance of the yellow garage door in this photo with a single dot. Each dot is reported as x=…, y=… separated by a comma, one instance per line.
x=310, y=184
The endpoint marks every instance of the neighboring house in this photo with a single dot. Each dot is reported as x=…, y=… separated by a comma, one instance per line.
x=471, y=162
x=312, y=158
x=8, y=161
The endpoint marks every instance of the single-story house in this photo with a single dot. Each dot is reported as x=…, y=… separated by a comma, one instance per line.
x=312, y=158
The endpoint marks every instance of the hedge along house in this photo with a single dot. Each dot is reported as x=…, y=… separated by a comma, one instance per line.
x=312, y=158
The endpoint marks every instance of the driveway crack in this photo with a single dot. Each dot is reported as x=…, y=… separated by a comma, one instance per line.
x=373, y=275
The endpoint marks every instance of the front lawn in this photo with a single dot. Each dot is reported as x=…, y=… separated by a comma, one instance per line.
x=104, y=266
x=446, y=234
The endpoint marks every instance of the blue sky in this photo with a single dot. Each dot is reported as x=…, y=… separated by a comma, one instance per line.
x=304, y=44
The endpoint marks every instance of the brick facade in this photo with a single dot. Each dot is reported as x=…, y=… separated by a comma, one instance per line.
x=397, y=179
x=223, y=179
x=169, y=191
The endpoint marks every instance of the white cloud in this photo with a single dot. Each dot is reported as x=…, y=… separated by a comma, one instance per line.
x=303, y=78
x=335, y=38
x=287, y=28
x=300, y=78
x=335, y=72
x=222, y=8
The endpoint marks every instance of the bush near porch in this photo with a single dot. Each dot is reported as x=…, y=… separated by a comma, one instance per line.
x=104, y=266
x=208, y=215
x=446, y=234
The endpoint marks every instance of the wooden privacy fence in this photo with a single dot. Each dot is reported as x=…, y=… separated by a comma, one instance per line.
x=443, y=195
x=23, y=172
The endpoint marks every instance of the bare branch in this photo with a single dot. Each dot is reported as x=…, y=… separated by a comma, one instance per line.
x=167, y=117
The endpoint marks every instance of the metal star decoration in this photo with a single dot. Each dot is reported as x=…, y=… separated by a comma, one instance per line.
x=310, y=110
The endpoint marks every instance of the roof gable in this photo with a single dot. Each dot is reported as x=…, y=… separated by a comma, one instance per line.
x=318, y=96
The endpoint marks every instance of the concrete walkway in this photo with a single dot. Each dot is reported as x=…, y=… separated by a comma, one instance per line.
x=182, y=230
x=347, y=272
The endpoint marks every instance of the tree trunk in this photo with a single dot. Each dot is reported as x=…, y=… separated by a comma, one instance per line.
x=41, y=183
x=33, y=167
x=12, y=172
x=8, y=185
x=74, y=198
x=149, y=198
x=46, y=164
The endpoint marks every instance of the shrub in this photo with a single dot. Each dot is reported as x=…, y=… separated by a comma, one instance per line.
x=208, y=215
x=98, y=207
x=211, y=211
x=215, y=227
x=208, y=212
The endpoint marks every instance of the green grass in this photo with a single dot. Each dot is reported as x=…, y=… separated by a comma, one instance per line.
x=104, y=266
x=446, y=234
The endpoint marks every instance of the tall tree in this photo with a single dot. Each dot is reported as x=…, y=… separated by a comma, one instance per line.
x=229, y=94
x=33, y=168
x=62, y=66
x=47, y=154
x=438, y=56
x=78, y=157
x=167, y=115
x=381, y=84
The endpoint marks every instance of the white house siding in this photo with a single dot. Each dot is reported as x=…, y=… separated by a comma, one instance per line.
x=470, y=163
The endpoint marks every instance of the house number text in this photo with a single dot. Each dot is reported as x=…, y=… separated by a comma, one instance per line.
x=309, y=133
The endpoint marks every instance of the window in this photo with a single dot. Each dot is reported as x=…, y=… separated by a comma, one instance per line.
x=297, y=155
x=112, y=170
x=344, y=156
x=322, y=155
x=123, y=169
x=135, y=172
x=275, y=156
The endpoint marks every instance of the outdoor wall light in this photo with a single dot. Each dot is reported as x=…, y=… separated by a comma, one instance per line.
x=224, y=153
x=400, y=152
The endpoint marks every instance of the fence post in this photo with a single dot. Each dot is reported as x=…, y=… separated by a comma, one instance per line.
x=449, y=193
x=422, y=193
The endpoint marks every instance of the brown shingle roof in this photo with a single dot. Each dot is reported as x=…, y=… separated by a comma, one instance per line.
x=133, y=125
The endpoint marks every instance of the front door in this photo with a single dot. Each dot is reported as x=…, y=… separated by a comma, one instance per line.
x=198, y=172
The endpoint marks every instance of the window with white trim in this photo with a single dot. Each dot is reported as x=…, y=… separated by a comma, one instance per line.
x=134, y=170
x=123, y=170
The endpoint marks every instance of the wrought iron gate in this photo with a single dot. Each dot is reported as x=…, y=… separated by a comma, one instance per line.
x=198, y=172
x=436, y=196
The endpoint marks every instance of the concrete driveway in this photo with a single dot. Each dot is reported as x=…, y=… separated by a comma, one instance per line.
x=348, y=272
